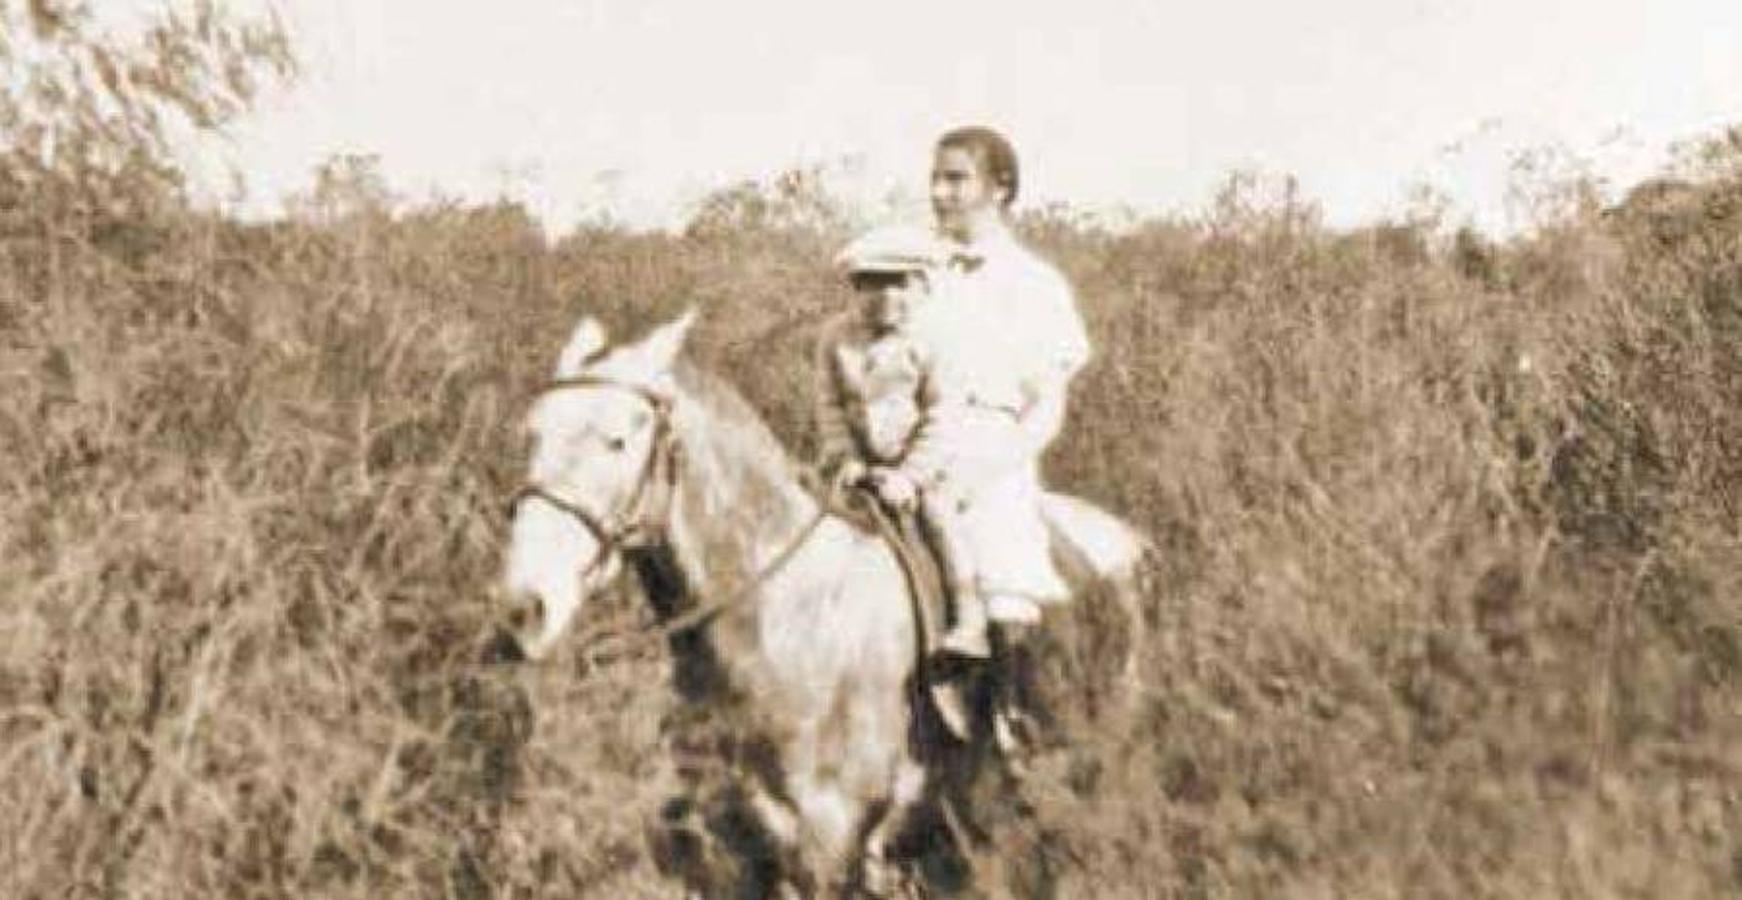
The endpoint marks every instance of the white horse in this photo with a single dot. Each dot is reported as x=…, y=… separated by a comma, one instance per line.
x=640, y=459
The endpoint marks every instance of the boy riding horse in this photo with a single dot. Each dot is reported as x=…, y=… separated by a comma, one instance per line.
x=877, y=405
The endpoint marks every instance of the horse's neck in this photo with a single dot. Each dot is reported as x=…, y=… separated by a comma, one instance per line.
x=739, y=508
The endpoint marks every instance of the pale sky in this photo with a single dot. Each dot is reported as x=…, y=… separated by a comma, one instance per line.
x=638, y=108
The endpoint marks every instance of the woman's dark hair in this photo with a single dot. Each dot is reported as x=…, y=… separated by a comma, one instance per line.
x=996, y=157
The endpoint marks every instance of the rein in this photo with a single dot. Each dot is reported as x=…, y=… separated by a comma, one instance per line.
x=702, y=614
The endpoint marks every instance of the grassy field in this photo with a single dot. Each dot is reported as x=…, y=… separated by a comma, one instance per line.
x=1447, y=605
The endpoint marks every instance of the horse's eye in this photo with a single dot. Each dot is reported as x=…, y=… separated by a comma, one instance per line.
x=616, y=444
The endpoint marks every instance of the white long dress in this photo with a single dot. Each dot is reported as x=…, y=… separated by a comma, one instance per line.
x=1005, y=340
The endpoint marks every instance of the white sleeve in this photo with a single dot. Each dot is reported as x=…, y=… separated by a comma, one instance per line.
x=1063, y=351
x=1067, y=342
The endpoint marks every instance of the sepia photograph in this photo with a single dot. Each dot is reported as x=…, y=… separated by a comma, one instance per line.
x=764, y=451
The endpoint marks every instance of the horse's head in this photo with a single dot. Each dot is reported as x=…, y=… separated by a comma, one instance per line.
x=599, y=480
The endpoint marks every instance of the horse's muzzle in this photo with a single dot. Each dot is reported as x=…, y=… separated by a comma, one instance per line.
x=501, y=648
x=509, y=641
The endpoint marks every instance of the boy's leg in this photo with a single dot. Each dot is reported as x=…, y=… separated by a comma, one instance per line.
x=967, y=633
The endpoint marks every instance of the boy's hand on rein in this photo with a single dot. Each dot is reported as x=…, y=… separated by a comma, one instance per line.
x=848, y=476
x=894, y=488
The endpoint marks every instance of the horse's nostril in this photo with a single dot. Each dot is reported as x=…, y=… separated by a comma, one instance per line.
x=525, y=612
x=502, y=648
x=522, y=621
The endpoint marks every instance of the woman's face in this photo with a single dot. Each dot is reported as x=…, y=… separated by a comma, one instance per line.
x=963, y=199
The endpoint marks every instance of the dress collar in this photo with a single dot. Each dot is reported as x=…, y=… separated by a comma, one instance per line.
x=971, y=256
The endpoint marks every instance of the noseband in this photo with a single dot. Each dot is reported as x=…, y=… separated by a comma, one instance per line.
x=644, y=518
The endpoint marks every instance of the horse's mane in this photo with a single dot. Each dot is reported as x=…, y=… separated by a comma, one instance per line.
x=730, y=410
x=744, y=472
x=741, y=497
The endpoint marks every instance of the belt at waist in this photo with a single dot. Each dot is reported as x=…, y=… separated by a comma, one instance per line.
x=985, y=405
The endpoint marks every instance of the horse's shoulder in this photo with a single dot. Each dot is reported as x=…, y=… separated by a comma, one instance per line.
x=841, y=546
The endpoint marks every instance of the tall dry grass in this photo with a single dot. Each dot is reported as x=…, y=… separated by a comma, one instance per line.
x=1445, y=603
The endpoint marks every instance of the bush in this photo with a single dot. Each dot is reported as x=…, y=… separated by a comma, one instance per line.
x=1447, y=532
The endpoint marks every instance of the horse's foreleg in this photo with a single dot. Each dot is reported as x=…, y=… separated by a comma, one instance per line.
x=880, y=875
x=831, y=821
x=775, y=816
x=827, y=816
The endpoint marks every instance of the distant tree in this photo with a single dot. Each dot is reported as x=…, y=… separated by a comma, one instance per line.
x=1717, y=157
x=1254, y=204
x=90, y=109
x=797, y=200
x=1666, y=209
x=347, y=186
x=1475, y=257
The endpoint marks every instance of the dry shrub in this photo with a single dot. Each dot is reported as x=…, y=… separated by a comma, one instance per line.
x=1442, y=604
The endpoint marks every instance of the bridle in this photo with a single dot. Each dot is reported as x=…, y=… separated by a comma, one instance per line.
x=646, y=515
x=646, y=518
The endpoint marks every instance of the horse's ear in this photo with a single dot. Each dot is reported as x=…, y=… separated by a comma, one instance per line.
x=584, y=344
x=661, y=347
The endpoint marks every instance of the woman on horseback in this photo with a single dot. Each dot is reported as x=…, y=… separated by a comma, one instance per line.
x=1005, y=340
